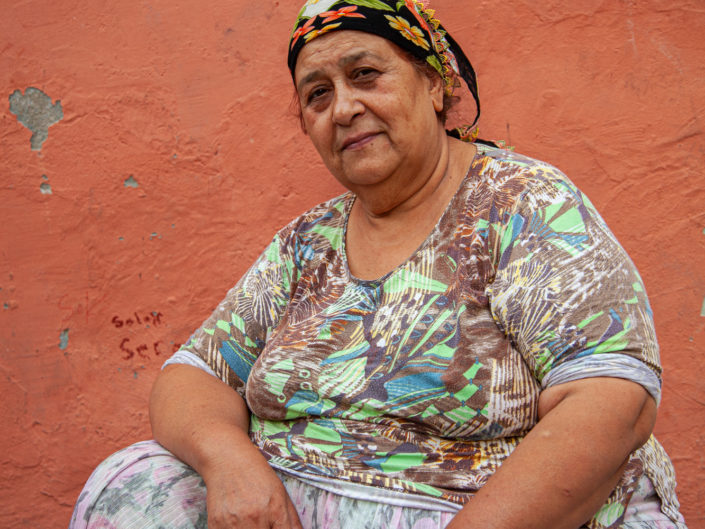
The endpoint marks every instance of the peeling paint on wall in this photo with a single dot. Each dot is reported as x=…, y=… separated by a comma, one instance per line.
x=35, y=111
x=131, y=182
x=702, y=309
x=44, y=187
x=64, y=339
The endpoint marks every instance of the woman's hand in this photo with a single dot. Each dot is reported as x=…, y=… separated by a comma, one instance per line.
x=253, y=499
x=205, y=423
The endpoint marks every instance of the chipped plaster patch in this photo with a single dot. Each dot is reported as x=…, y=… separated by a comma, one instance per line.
x=131, y=182
x=35, y=111
x=64, y=339
x=44, y=187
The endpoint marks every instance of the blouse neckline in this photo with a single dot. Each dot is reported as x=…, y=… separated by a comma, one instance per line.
x=375, y=283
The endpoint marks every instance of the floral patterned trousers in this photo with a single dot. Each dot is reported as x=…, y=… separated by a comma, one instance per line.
x=144, y=486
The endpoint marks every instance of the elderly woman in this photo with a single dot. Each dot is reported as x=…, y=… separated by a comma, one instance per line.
x=458, y=341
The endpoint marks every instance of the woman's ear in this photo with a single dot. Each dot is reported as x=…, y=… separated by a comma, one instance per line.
x=301, y=116
x=296, y=109
x=437, y=93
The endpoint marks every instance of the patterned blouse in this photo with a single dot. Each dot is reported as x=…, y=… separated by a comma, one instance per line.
x=425, y=380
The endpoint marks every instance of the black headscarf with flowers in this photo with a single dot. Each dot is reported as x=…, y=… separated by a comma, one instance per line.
x=407, y=23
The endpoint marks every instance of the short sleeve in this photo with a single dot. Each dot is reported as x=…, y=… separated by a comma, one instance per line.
x=565, y=292
x=231, y=339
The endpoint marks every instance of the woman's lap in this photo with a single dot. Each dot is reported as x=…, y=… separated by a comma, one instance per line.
x=145, y=486
x=320, y=509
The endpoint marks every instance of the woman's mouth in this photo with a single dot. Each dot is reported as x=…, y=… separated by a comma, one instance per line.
x=358, y=141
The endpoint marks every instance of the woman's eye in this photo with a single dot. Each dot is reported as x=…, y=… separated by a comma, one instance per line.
x=365, y=73
x=316, y=94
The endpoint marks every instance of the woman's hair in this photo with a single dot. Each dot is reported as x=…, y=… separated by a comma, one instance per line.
x=421, y=66
x=449, y=99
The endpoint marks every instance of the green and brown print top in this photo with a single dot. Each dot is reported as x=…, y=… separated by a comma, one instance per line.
x=426, y=379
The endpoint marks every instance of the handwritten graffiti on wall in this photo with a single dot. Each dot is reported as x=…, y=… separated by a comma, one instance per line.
x=130, y=347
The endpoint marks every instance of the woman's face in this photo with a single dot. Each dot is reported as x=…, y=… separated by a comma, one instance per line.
x=369, y=112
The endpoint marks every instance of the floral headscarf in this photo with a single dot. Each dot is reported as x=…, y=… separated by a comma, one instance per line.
x=407, y=23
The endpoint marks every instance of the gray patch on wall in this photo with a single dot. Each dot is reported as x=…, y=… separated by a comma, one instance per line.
x=44, y=187
x=35, y=111
x=64, y=339
x=131, y=182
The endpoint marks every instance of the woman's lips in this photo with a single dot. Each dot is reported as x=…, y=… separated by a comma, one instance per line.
x=358, y=141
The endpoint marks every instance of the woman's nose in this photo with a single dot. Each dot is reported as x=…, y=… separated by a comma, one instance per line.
x=346, y=105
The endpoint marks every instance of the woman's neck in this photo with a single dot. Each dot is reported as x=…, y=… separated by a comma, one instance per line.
x=378, y=239
x=420, y=197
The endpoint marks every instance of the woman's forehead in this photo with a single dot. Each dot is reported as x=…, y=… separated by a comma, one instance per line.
x=341, y=48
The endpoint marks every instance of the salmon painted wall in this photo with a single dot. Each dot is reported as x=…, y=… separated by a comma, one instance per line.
x=148, y=153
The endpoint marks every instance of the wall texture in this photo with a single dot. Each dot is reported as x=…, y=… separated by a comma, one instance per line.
x=148, y=153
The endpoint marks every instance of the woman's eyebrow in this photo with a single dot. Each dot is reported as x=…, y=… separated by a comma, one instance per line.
x=350, y=59
x=308, y=78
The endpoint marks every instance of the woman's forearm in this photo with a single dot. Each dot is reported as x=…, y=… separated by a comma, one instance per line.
x=205, y=423
x=565, y=468
x=198, y=417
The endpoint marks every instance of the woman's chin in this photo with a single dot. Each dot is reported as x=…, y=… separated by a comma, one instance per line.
x=362, y=177
x=365, y=171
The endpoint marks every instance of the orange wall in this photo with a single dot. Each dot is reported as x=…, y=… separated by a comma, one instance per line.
x=177, y=157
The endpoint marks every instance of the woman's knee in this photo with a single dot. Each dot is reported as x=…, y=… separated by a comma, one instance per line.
x=143, y=484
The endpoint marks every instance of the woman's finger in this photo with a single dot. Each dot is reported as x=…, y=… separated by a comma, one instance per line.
x=288, y=519
x=294, y=520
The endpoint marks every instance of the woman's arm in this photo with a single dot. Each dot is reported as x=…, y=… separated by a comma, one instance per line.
x=205, y=423
x=564, y=470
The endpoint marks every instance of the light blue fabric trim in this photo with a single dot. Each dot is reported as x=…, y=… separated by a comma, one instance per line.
x=359, y=491
x=614, y=365
x=190, y=359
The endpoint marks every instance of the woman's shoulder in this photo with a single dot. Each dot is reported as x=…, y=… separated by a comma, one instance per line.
x=510, y=158
x=519, y=179
x=511, y=164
